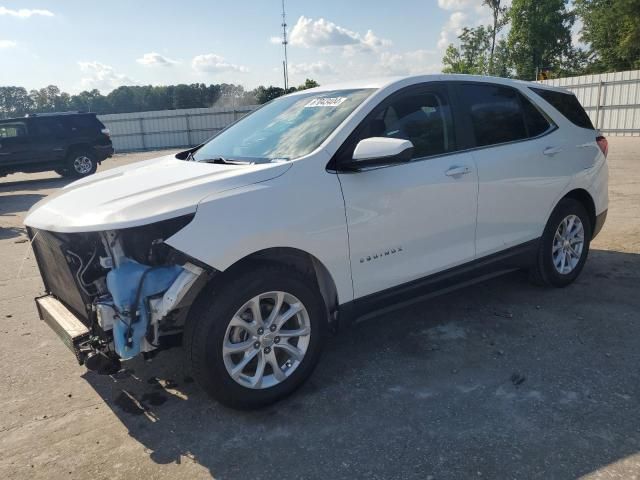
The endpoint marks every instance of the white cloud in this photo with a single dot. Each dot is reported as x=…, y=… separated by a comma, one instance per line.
x=101, y=76
x=212, y=63
x=323, y=33
x=409, y=63
x=25, y=12
x=452, y=28
x=316, y=68
x=7, y=44
x=458, y=4
x=275, y=40
x=153, y=59
x=465, y=13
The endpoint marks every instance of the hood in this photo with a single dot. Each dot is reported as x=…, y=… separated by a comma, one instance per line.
x=142, y=193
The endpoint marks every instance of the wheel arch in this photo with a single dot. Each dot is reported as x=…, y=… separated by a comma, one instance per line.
x=585, y=198
x=298, y=259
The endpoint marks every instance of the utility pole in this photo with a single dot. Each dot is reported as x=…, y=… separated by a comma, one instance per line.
x=285, y=66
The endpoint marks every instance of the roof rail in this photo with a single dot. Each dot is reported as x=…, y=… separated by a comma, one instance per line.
x=55, y=114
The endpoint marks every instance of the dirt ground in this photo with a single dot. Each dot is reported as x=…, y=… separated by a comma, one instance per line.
x=499, y=380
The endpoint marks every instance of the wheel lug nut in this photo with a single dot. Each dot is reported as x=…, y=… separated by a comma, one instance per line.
x=256, y=345
x=276, y=340
x=260, y=331
x=272, y=328
x=267, y=350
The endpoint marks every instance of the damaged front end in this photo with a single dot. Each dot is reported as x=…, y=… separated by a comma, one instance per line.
x=114, y=294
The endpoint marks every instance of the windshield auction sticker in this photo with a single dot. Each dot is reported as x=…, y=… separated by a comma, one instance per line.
x=325, y=102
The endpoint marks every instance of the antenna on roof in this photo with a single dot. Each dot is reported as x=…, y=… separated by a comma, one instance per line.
x=285, y=66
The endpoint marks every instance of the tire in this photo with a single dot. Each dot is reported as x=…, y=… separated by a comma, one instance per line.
x=209, y=328
x=80, y=163
x=548, y=268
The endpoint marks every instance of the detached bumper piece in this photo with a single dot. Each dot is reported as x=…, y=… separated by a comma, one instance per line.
x=66, y=325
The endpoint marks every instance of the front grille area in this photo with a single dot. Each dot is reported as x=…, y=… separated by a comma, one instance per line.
x=59, y=280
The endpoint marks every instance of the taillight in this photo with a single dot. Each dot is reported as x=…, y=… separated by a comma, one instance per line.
x=107, y=132
x=603, y=144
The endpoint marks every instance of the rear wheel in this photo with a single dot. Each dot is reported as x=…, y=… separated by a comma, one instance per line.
x=564, y=245
x=80, y=163
x=258, y=337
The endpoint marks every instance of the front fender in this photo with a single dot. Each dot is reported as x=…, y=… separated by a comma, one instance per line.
x=302, y=209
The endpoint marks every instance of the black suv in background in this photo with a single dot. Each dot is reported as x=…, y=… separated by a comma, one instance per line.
x=71, y=143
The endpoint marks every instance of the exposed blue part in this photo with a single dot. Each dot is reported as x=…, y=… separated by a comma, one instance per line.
x=123, y=283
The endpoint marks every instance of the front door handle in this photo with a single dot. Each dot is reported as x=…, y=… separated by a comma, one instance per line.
x=551, y=151
x=457, y=171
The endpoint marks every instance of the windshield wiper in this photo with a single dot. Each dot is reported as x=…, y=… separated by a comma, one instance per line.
x=225, y=161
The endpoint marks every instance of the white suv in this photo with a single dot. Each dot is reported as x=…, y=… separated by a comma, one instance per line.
x=315, y=209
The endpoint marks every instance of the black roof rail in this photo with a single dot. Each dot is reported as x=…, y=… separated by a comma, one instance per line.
x=55, y=114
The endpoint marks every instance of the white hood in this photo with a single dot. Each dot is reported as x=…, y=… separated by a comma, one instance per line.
x=142, y=193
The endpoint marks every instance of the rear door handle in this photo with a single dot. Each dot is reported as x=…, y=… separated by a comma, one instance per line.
x=457, y=171
x=551, y=151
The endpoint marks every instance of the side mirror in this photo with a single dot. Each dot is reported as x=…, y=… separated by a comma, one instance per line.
x=378, y=151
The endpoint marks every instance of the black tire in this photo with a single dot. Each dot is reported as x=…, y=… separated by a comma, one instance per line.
x=544, y=272
x=211, y=314
x=77, y=161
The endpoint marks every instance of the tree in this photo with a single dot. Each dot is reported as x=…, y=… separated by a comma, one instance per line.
x=266, y=94
x=472, y=56
x=14, y=102
x=308, y=83
x=499, y=21
x=49, y=99
x=540, y=36
x=612, y=32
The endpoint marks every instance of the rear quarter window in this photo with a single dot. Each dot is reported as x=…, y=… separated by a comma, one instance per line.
x=568, y=105
x=83, y=123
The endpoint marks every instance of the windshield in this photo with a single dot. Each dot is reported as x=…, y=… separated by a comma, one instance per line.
x=285, y=128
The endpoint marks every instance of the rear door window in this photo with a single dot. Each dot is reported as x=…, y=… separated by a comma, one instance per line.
x=568, y=105
x=501, y=114
x=537, y=123
x=48, y=127
x=495, y=112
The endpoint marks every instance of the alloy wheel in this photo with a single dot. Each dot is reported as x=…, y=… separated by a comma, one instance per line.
x=266, y=340
x=82, y=164
x=568, y=244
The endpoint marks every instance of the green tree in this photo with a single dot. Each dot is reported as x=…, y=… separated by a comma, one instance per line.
x=49, y=99
x=14, y=102
x=540, y=36
x=499, y=20
x=472, y=56
x=266, y=94
x=612, y=32
x=308, y=83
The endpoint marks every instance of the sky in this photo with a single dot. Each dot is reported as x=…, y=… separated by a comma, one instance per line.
x=79, y=45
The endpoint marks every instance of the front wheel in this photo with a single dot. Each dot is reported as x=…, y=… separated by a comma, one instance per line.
x=564, y=245
x=258, y=337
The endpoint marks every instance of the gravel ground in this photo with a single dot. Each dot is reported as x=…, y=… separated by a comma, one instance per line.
x=499, y=380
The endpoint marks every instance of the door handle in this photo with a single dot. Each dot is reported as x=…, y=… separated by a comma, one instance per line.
x=457, y=171
x=551, y=151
